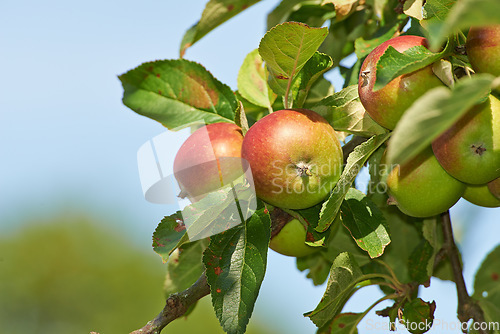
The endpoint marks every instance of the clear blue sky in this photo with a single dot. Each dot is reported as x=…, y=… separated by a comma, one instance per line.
x=68, y=143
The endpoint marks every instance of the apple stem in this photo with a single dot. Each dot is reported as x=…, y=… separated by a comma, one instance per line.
x=467, y=307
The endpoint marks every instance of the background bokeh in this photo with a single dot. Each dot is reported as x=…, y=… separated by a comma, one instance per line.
x=75, y=230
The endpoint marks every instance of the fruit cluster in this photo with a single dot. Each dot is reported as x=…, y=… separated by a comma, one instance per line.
x=296, y=158
x=464, y=161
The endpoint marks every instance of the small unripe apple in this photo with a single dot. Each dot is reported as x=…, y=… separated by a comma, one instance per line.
x=422, y=188
x=295, y=158
x=470, y=149
x=209, y=159
x=289, y=235
x=387, y=105
x=494, y=187
x=483, y=49
x=481, y=195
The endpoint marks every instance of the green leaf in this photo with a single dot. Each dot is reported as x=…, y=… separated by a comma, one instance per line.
x=252, y=81
x=286, y=48
x=241, y=118
x=366, y=223
x=282, y=12
x=464, y=14
x=312, y=71
x=312, y=13
x=177, y=93
x=344, y=111
x=215, y=13
x=486, y=282
x=310, y=218
x=392, y=63
x=168, y=234
x=355, y=162
x=344, y=275
x=235, y=264
x=433, y=234
x=433, y=113
x=418, y=315
x=309, y=12
x=363, y=47
x=344, y=323
x=318, y=264
x=421, y=262
x=184, y=266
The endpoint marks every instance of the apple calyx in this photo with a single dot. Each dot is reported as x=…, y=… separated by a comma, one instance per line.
x=303, y=169
x=479, y=149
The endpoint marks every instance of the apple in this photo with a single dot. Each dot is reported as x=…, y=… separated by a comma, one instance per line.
x=483, y=49
x=295, y=158
x=387, y=105
x=209, y=159
x=470, y=149
x=422, y=188
x=481, y=195
x=494, y=187
x=288, y=235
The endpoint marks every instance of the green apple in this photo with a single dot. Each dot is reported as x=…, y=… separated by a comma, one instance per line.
x=209, y=159
x=470, y=149
x=494, y=187
x=289, y=235
x=295, y=158
x=387, y=105
x=481, y=195
x=422, y=188
x=483, y=49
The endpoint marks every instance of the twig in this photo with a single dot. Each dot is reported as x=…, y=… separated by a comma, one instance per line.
x=176, y=305
x=467, y=307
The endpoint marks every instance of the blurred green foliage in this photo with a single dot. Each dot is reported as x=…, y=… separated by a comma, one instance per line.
x=74, y=275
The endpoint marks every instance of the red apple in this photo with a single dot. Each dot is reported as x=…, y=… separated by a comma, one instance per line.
x=295, y=158
x=209, y=159
x=483, y=49
x=387, y=105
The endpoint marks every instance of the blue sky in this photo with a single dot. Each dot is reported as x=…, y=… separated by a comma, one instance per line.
x=68, y=143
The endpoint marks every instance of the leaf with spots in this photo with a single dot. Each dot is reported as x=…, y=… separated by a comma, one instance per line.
x=235, y=263
x=487, y=285
x=344, y=111
x=344, y=323
x=168, y=234
x=215, y=13
x=184, y=266
x=345, y=274
x=178, y=93
x=355, y=162
x=285, y=49
x=366, y=223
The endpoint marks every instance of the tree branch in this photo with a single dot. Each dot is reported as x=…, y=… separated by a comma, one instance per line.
x=176, y=305
x=467, y=307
